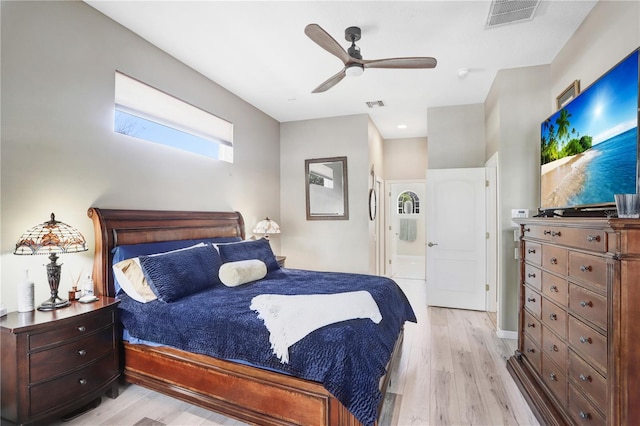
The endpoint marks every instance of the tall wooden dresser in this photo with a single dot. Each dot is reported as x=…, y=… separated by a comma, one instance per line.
x=578, y=357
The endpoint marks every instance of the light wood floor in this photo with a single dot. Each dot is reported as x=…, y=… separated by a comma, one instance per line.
x=452, y=372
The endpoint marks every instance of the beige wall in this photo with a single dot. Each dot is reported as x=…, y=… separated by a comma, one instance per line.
x=59, y=152
x=405, y=159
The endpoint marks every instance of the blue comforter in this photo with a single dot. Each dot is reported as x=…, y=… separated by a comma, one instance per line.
x=348, y=358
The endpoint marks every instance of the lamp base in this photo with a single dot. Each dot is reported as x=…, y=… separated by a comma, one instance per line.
x=53, y=303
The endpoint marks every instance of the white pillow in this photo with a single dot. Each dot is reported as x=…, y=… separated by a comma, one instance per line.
x=233, y=274
x=132, y=280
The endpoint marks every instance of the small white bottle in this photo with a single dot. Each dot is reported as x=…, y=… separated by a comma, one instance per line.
x=25, y=294
x=88, y=288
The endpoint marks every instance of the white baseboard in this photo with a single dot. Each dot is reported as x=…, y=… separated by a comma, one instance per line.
x=504, y=334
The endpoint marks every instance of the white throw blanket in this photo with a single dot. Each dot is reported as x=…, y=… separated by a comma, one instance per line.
x=290, y=318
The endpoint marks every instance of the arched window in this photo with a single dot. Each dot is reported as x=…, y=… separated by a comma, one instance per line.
x=408, y=203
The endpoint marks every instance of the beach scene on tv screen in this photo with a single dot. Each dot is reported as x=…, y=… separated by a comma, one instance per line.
x=589, y=148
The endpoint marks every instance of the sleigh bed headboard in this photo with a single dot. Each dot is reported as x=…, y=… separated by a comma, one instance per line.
x=118, y=227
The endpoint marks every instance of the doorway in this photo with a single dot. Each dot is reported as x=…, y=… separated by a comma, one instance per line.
x=406, y=232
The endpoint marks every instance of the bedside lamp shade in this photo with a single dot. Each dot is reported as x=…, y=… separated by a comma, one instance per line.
x=51, y=238
x=266, y=226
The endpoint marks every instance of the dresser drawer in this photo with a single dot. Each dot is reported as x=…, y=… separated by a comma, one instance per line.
x=555, y=259
x=532, y=301
x=589, y=269
x=532, y=352
x=589, y=305
x=555, y=318
x=532, y=327
x=533, y=276
x=73, y=386
x=540, y=232
x=555, y=348
x=555, y=379
x=533, y=252
x=51, y=363
x=555, y=288
x=582, y=411
x=590, y=344
x=85, y=325
x=588, y=239
x=588, y=380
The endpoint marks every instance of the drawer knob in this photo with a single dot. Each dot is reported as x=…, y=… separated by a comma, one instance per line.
x=83, y=381
x=553, y=288
x=586, y=304
x=592, y=238
x=584, y=415
x=553, y=260
x=531, y=350
x=585, y=339
x=530, y=275
x=82, y=328
x=555, y=234
x=553, y=377
x=585, y=378
x=547, y=232
x=553, y=348
x=527, y=229
x=585, y=268
x=531, y=251
x=82, y=352
x=553, y=317
x=531, y=299
x=531, y=325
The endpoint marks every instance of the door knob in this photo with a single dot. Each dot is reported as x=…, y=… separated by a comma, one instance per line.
x=430, y=244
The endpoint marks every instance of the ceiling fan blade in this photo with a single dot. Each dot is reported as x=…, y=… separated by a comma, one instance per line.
x=415, y=62
x=330, y=82
x=328, y=43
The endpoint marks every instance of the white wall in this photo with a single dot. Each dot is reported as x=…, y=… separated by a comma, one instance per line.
x=405, y=159
x=326, y=245
x=59, y=152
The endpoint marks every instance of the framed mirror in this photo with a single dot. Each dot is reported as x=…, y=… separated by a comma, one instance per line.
x=327, y=189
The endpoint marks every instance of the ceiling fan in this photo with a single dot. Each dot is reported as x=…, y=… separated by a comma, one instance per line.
x=354, y=65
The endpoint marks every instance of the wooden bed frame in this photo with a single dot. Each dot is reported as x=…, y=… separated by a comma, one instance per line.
x=243, y=392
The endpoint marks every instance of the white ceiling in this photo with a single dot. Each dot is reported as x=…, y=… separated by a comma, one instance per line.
x=258, y=50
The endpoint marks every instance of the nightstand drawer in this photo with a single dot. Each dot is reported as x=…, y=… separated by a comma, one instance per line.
x=77, y=329
x=73, y=386
x=49, y=364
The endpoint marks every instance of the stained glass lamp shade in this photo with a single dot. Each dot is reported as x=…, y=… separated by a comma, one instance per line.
x=51, y=238
x=266, y=226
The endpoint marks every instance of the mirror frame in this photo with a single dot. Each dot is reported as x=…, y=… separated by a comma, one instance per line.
x=345, y=198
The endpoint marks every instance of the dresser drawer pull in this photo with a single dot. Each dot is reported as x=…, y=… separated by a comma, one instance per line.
x=592, y=238
x=553, y=317
x=531, y=325
x=555, y=234
x=547, y=232
x=553, y=348
x=553, y=288
x=584, y=415
x=82, y=328
x=531, y=299
x=531, y=350
x=531, y=251
x=553, y=260
x=83, y=381
x=553, y=377
x=586, y=304
x=527, y=229
x=585, y=339
x=82, y=352
x=585, y=378
x=530, y=275
x=586, y=268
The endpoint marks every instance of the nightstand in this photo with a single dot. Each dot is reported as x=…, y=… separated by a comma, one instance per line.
x=58, y=361
x=280, y=260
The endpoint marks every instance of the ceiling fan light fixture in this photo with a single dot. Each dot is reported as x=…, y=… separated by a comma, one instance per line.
x=354, y=70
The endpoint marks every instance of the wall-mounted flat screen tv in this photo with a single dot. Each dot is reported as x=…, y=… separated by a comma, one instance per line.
x=589, y=148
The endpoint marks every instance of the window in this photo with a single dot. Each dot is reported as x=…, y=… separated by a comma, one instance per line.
x=408, y=203
x=144, y=112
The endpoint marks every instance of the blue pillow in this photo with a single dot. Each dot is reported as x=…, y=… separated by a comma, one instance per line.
x=246, y=250
x=181, y=273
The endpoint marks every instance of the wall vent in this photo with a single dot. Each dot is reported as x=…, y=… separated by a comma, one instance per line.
x=508, y=11
x=375, y=104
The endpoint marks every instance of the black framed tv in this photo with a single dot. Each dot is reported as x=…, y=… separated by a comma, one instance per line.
x=589, y=148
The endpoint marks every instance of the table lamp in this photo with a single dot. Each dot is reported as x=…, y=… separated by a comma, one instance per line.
x=265, y=227
x=50, y=238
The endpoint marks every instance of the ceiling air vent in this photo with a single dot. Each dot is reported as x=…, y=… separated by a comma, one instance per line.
x=507, y=11
x=374, y=104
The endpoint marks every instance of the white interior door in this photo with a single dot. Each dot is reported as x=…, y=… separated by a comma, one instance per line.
x=456, y=238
